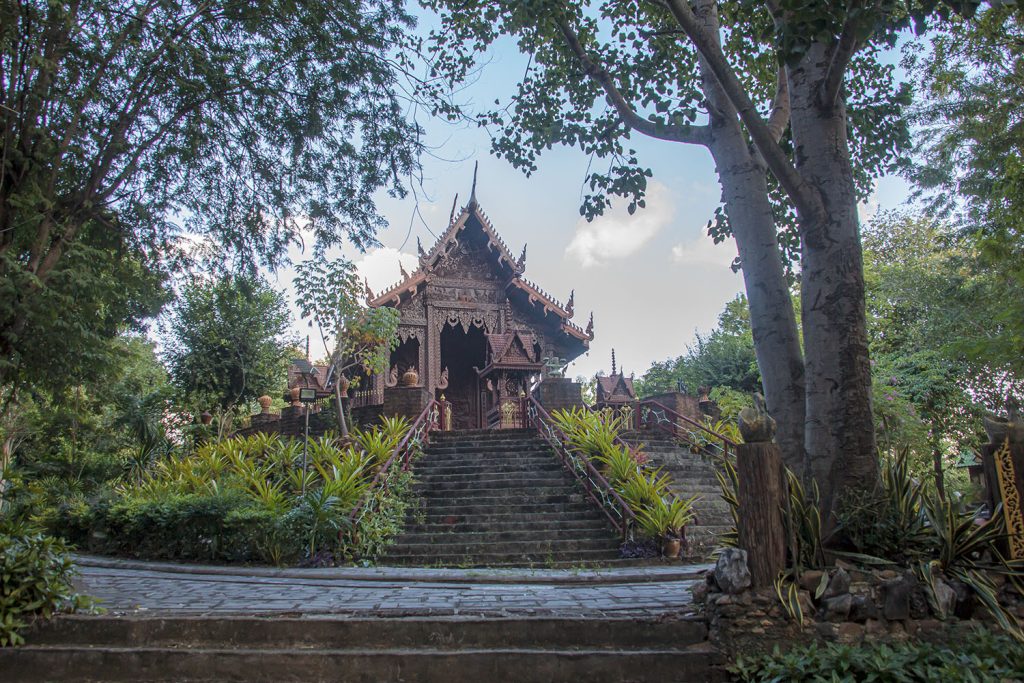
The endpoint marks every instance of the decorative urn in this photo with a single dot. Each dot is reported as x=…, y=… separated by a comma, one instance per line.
x=410, y=378
x=264, y=402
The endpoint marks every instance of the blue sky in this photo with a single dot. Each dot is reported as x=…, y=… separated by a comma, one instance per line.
x=651, y=279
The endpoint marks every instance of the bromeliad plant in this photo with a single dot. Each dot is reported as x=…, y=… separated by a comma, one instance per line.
x=246, y=499
x=594, y=435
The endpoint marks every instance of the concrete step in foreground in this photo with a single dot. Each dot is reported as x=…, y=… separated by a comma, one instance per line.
x=412, y=650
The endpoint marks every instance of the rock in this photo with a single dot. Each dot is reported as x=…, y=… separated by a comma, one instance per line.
x=850, y=633
x=945, y=598
x=837, y=608
x=887, y=574
x=827, y=631
x=839, y=584
x=810, y=579
x=896, y=599
x=919, y=608
x=874, y=627
x=863, y=608
x=806, y=604
x=731, y=572
x=699, y=591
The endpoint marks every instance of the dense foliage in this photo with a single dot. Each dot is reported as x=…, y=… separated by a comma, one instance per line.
x=35, y=581
x=126, y=124
x=723, y=358
x=978, y=658
x=228, y=342
x=594, y=435
x=251, y=499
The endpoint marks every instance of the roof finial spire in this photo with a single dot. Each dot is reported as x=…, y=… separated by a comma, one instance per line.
x=369, y=292
x=590, y=326
x=401, y=268
x=613, y=361
x=451, y=216
x=472, y=193
x=571, y=303
x=419, y=248
x=521, y=263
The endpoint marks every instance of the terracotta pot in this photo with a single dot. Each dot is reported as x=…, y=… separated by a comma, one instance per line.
x=295, y=396
x=265, y=402
x=671, y=547
x=410, y=378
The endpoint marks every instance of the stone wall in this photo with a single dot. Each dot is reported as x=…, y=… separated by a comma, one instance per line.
x=845, y=604
x=407, y=401
x=559, y=393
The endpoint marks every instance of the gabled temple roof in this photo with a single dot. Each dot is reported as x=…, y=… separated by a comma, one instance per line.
x=473, y=215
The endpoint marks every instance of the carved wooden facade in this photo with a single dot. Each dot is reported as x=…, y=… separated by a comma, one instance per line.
x=472, y=326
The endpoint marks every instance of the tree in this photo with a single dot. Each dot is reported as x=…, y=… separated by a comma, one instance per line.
x=227, y=342
x=930, y=294
x=723, y=358
x=254, y=120
x=969, y=161
x=354, y=336
x=791, y=113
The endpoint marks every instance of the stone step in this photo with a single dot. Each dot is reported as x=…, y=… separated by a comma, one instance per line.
x=464, y=514
x=487, y=460
x=488, y=544
x=428, y=471
x=492, y=498
x=367, y=632
x=542, y=557
x=489, y=480
x=414, y=650
x=513, y=525
x=495, y=487
x=506, y=537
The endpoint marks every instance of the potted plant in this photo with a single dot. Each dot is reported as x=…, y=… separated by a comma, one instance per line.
x=665, y=522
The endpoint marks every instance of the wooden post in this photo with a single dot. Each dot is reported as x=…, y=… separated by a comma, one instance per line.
x=759, y=471
x=761, y=488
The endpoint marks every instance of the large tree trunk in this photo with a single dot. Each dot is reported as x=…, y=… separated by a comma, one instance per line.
x=839, y=433
x=772, y=320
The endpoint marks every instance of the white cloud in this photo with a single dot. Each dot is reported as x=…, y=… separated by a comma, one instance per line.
x=703, y=252
x=380, y=266
x=616, y=234
x=867, y=209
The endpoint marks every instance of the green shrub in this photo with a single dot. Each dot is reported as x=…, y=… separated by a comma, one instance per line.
x=35, y=582
x=980, y=657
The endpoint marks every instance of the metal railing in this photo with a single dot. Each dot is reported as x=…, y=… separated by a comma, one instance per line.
x=655, y=415
x=596, y=486
x=414, y=440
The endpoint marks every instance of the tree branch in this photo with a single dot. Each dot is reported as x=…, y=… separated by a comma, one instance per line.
x=694, y=135
x=844, y=52
x=779, y=117
x=806, y=200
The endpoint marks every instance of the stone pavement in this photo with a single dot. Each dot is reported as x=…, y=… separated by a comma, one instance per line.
x=135, y=587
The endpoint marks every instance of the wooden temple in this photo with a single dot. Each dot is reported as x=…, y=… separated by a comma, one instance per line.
x=474, y=331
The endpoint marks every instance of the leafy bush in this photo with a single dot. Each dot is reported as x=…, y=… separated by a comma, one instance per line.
x=981, y=657
x=239, y=500
x=594, y=435
x=35, y=582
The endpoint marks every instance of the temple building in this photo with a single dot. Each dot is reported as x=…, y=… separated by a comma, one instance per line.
x=474, y=331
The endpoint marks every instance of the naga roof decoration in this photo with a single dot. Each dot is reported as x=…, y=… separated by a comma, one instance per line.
x=428, y=261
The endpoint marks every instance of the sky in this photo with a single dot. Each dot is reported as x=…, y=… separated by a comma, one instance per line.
x=652, y=279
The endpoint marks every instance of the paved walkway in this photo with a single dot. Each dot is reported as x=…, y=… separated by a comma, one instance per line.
x=140, y=587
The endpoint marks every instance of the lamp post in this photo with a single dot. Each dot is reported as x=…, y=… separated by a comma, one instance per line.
x=306, y=396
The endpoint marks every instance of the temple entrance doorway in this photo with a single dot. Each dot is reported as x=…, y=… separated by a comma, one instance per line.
x=463, y=353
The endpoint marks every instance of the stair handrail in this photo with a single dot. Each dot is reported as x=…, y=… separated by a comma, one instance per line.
x=597, y=487
x=668, y=420
x=413, y=441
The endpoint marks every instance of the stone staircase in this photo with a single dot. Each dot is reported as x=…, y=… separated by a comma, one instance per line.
x=692, y=474
x=351, y=650
x=500, y=498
